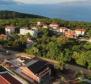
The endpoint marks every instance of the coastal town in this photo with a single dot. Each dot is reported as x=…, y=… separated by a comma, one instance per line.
x=45, y=41
x=18, y=67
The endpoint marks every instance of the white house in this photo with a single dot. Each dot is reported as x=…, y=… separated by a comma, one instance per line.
x=25, y=31
x=54, y=25
x=79, y=32
x=39, y=23
x=63, y=29
x=9, y=29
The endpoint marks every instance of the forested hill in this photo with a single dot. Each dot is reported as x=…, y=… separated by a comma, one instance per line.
x=12, y=14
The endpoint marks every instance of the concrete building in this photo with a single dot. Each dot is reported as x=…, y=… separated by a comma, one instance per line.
x=54, y=25
x=63, y=29
x=25, y=31
x=79, y=32
x=39, y=23
x=36, y=71
x=9, y=29
x=70, y=34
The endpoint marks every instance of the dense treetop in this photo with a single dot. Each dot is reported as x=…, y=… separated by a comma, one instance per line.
x=13, y=14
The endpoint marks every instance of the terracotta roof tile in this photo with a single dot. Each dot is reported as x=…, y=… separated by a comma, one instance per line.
x=3, y=80
x=10, y=79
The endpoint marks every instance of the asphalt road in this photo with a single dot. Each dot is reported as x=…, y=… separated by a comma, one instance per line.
x=78, y=69
x=7, y=54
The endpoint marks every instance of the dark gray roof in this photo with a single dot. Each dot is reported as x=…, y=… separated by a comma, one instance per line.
x=37, y=65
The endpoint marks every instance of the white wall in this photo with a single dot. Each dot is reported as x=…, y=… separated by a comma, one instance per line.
x=26, y=31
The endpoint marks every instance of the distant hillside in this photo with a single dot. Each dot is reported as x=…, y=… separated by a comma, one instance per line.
x=13, y=14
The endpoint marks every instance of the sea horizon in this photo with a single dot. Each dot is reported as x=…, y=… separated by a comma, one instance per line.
x=66, y=11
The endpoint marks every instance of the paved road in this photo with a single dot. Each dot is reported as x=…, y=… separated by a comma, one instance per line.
x=7, y=54
x=70, y=66
x=78, y=69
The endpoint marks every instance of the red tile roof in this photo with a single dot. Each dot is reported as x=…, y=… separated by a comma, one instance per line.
x=80, y=30
x=3, y=80
x=9, y=78
x=3, y=37
x=70, y=34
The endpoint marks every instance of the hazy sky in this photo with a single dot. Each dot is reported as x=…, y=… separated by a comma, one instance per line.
x=39, y=1
x=65, y=9
x=45, y=1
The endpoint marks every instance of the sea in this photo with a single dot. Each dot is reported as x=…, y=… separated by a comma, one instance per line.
x=66, y=11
